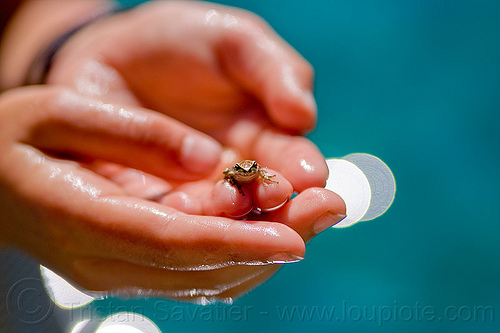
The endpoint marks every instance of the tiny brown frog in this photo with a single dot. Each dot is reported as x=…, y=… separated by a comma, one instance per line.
x=245, y=173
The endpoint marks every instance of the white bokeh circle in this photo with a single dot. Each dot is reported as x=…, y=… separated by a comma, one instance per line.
x=366, y=184
x=127, y=322
x=348, y=181
x=62, y=293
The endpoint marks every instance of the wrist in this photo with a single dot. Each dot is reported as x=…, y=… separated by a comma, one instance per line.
x=35, y=25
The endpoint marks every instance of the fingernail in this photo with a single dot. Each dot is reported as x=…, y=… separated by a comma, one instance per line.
x=198, y=154
x=326, y=221
x=284, y=258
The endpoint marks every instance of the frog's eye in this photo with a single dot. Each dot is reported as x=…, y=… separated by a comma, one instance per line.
x=238, y=167
x=254, y=166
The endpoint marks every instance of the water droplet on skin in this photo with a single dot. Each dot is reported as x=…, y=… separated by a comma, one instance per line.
x=306, y=166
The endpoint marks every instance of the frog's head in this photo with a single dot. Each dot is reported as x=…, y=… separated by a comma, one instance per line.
x=244, y=172
x=246, y=167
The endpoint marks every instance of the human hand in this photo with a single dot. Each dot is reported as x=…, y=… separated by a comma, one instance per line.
x=218, y=69
x=101, y=236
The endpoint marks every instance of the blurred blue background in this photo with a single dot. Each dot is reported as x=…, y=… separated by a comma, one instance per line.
x=416, y=83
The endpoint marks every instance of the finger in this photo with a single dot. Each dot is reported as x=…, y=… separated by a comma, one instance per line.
x=272, y=192
x=229, y=200
x=272, y=70
x=209, y=198
x=183, y=202
x=142, y=139
x=226, y=199
x=152, y=234
x=295, y=157
x=311, y=212
x=235, y=200
x=135, y=182
x=188, y=198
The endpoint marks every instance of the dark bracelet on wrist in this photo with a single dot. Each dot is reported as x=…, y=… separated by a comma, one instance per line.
x=38, y=71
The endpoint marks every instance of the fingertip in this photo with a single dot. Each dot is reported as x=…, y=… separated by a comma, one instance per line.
x=314, y=172
x=135, y=182
x=200, y=154
x=294, y=110
x=183, y=202
x=272, y=194
x=326, y=200
x=227, y=200
x=297, y=158
x=289, y=94
x=311, y=212
x=272, y=241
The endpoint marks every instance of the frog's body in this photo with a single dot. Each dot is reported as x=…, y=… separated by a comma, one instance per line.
x=245, y=173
